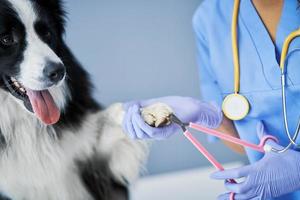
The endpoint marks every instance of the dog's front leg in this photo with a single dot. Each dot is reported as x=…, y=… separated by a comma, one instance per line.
x=126, y=156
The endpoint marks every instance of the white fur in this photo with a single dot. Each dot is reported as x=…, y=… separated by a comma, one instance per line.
x=37, y=52
x=124, y=152
x=61, y=95
x=37, y=165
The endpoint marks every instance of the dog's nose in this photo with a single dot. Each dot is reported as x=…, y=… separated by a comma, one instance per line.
x=54, y=72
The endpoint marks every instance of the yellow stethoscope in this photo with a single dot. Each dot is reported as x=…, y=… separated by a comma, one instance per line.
x=236, y=106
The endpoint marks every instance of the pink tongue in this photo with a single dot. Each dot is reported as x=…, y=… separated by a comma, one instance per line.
x=44, y=106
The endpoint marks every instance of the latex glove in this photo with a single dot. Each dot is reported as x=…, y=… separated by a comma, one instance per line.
x=187, y=109
x=273, y=176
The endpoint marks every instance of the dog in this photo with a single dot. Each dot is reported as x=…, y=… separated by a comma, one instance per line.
x=56, y=141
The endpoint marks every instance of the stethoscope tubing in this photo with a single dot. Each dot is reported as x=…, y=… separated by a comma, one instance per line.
x=283, y=65
x=285, y=118
x=285, y=49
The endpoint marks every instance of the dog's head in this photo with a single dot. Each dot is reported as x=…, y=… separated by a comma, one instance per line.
x=30, y=59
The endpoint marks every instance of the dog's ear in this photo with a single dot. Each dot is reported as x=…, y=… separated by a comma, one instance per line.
x=59, y=14
x=55, y=8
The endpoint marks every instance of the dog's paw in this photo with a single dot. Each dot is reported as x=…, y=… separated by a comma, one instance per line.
x=157, y=115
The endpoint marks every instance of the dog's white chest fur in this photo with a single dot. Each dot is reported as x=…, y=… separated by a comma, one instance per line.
x=37, y=165
x=39, y=172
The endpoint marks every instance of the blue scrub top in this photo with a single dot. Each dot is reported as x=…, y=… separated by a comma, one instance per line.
x=259, y=65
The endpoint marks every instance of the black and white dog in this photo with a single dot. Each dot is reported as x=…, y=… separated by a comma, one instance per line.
x=56, y=143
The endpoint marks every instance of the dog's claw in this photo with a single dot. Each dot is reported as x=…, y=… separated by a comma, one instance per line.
x=157, y=115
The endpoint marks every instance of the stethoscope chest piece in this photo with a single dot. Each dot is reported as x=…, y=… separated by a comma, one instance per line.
x=235, y=106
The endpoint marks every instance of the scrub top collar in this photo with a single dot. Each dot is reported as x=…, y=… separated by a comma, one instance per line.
x=289, y=22
x=268, y=51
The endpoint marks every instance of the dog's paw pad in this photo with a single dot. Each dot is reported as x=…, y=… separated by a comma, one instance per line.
x=157, y=115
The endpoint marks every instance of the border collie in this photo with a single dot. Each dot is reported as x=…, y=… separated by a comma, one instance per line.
x=56, y=143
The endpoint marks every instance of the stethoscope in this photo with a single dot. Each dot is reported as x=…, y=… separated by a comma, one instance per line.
x=236, y=106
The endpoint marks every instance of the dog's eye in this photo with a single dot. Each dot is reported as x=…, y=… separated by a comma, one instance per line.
x=44, y=31
x=47, y=35
x=7, y=40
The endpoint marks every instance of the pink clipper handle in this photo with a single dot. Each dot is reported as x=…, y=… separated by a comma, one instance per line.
x=231, y=197
x=205, y=153
x=229, y=138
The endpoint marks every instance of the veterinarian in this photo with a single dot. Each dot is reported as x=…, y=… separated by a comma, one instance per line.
x=262, y=28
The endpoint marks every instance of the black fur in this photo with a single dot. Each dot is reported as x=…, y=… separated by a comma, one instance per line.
x=4, y=198
x=52, y=18
x=52, y=13
x=10, y=24
x=98, y=180
x=95, y=173
x=54, y=9
x=80, y=87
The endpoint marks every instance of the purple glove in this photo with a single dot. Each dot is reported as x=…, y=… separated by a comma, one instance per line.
x=273, y=176
x=187, y=109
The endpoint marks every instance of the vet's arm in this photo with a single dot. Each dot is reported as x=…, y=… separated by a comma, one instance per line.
x=227, y=127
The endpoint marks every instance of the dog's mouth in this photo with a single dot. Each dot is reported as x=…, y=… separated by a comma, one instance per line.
x=41, y=103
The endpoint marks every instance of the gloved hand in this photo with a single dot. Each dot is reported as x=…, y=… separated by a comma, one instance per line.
x=185, y=108
x=273, y=176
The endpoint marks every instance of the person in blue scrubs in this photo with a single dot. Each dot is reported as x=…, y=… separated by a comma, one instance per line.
x=262, y=30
